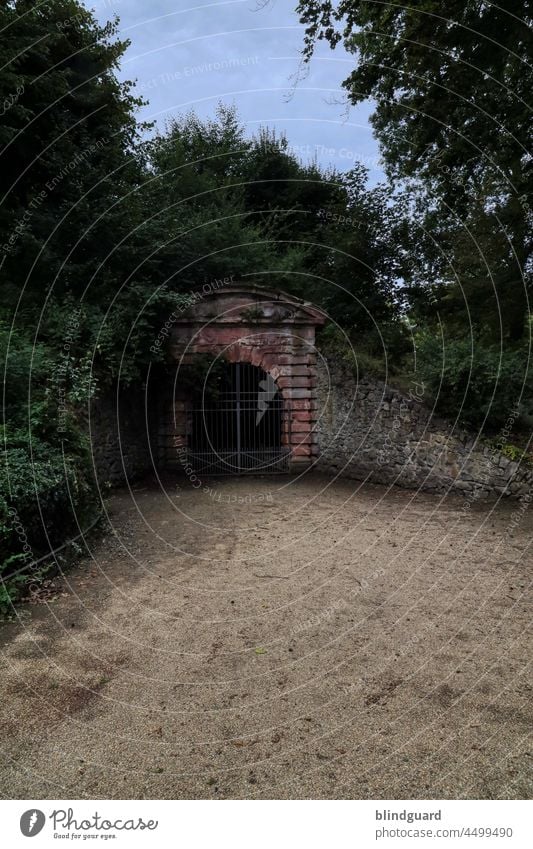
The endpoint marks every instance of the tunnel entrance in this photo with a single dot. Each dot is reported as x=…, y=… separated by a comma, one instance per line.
x=238, y=423
x=254, y=410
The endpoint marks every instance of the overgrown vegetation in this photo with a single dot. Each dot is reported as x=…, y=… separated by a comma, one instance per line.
x=104, y=234
x=451, y=113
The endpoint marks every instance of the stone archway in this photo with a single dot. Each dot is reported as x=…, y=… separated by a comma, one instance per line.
x=270, y=330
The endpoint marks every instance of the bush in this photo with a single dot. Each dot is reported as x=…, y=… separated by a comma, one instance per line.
x=44, y=499
x=476, y=383
x=380, y=357
x=46, y=485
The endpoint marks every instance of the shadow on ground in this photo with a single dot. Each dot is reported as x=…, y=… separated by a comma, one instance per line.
x=273, y=638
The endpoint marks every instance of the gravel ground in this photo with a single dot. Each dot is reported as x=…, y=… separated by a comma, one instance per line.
x=274, y=638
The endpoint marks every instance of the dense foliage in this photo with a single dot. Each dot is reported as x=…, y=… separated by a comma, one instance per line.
x=451, y=87
x=103, y=233
x=67, y=131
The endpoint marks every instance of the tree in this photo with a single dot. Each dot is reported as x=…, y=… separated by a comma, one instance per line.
x=67, y=135
x=349, y=234
x=197, y=208
x=68, y=175
x=451, y=92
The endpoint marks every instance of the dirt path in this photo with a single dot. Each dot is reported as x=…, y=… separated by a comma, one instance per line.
x=276, y=639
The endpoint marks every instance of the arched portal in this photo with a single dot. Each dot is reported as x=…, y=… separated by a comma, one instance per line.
x=238, y=422
x=262, y=344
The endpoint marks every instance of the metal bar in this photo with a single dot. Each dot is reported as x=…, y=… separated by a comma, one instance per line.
x=238, y=410
x=226, y=436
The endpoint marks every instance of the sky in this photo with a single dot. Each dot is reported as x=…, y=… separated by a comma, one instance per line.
x=186, y=54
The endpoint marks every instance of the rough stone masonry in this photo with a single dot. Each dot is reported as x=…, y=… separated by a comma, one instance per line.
x=366, y=429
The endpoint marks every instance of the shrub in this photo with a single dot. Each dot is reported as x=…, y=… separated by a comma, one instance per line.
x=46, y=485
x=476, y=383
x=45, y=497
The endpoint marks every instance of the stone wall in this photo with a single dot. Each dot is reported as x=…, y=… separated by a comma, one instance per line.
x=118, y=434
x=366, y=430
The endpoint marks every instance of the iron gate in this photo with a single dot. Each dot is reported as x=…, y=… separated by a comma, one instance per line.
x=240, y=426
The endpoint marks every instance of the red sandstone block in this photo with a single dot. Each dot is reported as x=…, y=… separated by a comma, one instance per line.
x=302, y=404
x=218, y=335
x=275, y=353
x=231, y=354
x=298, y=394
x=283, y=371
x=300, y=357
x=300, y=451
x=300, y=427
x=303, y=436
x=301, y=439
x=280, y=359
x=295, y=371
x=295, y=382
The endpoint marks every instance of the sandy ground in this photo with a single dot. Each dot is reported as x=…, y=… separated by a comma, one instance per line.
x=278, y=639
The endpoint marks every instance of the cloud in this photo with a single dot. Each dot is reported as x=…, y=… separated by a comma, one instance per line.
x=238, y=52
